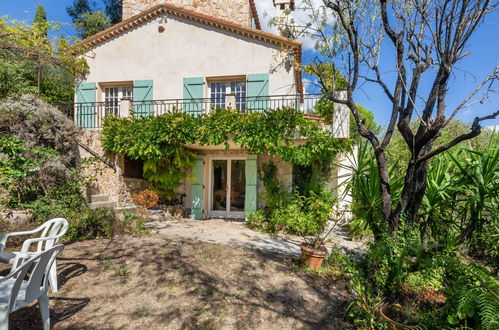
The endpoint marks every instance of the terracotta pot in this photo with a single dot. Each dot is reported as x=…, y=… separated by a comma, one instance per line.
x=392, y=324
x=311, y=257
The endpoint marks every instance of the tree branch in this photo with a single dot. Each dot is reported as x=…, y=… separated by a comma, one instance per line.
x=491, y=77
x=475, y=131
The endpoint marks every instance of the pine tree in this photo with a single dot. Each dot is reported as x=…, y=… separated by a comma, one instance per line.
x=113, y=10
x=40, y=20
x=79, y=8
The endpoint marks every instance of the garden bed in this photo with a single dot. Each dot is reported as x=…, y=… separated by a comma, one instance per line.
x=154, y=282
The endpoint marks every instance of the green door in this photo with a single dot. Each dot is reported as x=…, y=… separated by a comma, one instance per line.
x=85, y=109
x=197, y=188
x=250, y=202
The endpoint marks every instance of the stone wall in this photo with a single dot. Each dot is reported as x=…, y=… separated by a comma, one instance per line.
x=237, y=11
x=103, y=179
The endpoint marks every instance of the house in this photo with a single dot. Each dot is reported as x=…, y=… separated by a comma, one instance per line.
x=190, y=55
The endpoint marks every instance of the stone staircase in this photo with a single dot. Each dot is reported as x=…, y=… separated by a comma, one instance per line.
x=102, y=201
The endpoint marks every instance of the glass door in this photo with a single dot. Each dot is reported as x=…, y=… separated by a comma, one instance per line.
x=227, y=188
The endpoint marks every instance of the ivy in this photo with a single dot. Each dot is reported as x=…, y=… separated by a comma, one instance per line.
x=160, y=141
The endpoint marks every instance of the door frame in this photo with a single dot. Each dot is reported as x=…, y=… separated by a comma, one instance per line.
x=222, y=214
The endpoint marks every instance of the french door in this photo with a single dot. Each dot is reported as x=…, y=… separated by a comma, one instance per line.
x=227, y=188
x=218, y=91
x=112, y=97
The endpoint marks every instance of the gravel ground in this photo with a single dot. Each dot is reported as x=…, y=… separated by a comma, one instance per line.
x=158, y=282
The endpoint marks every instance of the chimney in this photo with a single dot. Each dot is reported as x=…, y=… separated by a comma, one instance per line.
x=284, y=26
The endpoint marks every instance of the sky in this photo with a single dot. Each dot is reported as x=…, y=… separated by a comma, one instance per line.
x=483, y=57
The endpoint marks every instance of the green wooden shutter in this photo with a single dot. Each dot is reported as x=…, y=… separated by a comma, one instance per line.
x=197, y=189
x=250, y=199
x=258, y=92
x=142, y=97
x=85, y=109
x=193, y=95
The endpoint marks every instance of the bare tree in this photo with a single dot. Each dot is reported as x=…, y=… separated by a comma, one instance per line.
x=424, y=40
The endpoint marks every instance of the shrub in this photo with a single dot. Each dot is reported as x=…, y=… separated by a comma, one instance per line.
x=84, y=222
x=306, y=216
x=472, y=296
x=258, y=220
x=38, y=150
x=146, y=198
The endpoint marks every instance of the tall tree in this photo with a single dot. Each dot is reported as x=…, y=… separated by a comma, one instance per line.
x=41, y=19
x=88, y=19
x=90, y=23
x=114, y=10
x=421, y=41
x=79, y=8
x=30, y=63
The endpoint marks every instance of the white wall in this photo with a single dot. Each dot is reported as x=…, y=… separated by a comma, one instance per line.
x=185, y=49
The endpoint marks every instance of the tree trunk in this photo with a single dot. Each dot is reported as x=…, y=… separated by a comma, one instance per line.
x=38, y=74
x=413, y=190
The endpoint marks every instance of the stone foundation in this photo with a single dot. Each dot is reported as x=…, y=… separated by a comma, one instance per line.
x=102, y=178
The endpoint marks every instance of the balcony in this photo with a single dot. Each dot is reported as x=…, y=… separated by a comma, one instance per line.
x=89, y=115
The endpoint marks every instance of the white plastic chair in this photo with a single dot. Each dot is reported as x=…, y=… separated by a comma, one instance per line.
x=17, y=292
x=51, y=232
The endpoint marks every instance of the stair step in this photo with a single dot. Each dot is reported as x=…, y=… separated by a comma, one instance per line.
x=127, y=209
x=104, y=205
x=99, y=198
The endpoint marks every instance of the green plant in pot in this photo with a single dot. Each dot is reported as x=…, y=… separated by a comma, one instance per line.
x=308, y=217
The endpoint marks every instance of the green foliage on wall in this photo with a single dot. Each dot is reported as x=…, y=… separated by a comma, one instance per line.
x=161, y=140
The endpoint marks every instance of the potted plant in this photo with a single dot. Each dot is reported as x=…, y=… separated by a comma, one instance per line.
x=309, y=218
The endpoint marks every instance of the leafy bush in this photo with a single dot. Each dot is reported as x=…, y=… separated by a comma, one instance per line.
x=306, y=216
x=84, y=222
x=38, y=150
x=364, y=186
x=473, y=297
x=276, y=195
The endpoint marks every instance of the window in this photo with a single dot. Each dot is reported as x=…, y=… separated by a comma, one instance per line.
x=133, y=168
x=282, y=6
x=113, y=96
x=219, y=90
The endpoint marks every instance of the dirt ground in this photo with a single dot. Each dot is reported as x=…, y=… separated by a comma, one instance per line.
x=155, y=282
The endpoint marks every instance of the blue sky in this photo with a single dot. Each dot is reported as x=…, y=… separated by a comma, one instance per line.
x=483, y=47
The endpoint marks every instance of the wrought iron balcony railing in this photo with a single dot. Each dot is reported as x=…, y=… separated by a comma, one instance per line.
x=89, y=115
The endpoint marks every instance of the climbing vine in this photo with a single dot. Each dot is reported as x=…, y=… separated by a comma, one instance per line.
x=160, y=141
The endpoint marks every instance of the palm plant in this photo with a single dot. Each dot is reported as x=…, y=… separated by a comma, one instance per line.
x=478, y=197
x=436, y=212
x=364, y=187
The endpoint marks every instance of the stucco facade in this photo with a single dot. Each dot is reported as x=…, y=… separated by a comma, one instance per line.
x=185, y=49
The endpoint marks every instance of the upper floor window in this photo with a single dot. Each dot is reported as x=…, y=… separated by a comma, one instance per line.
x=220, y=89
x=112, y=97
